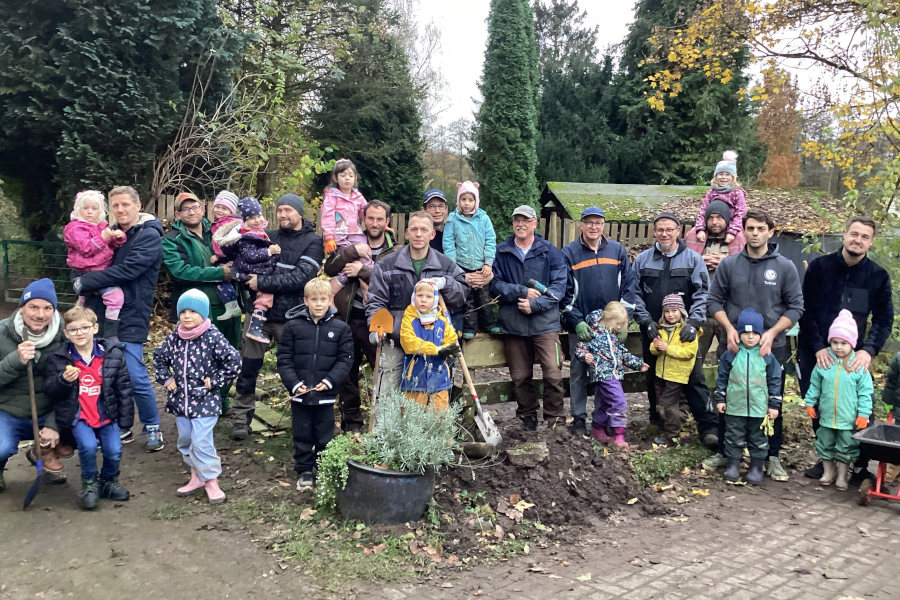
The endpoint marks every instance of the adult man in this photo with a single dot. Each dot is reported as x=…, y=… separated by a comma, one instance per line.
x=713, y=250
x=135, y=269
x=670, y=267
x=847, y=279
x=599, y=273
x=392, y=282
x=349, y=301
x=32, y=333
x=302, y=252
x=530, y=319
x=435, y=204
x=187, y=250
x=759, y=278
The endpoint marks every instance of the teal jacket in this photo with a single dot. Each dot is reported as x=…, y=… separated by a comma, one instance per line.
x=748, y=384
x=470, y=242
x=840, y=396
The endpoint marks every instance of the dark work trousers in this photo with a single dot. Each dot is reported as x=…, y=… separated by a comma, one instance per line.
x=348, y=392
x=312, y=427
x=520, y=354
x=482, y=319
x=695, y=391
x=744, y=432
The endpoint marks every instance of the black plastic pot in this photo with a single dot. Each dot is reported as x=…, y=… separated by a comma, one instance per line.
x=379, y=496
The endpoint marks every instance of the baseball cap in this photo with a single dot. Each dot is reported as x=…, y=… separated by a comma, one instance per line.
x=184, y=197
x=525, y=211
x=592, y=211
x=432, y=194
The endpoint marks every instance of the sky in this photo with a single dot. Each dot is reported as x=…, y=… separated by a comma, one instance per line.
x=463, y=26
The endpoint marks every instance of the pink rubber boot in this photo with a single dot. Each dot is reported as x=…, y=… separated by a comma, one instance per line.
x=214, y=492
x=600, y=435
x=191, y=486
x=619, y=439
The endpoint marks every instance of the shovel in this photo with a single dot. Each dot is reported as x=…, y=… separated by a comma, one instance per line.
x=483, y=419
x=383, y=323
x=39, y=465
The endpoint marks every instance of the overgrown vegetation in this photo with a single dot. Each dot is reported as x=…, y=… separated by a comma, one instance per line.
x=655, y=466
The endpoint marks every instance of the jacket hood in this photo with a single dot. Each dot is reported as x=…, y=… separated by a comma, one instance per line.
x=144, y=220
x=302, y=311
x=680, y=246
x=772, y=252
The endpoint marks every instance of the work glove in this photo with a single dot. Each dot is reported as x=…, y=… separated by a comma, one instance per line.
x=811, y=412
x=76, y=286
x=651, y=330
x=374, y=337
x=437, y=282
x=862, y=422
x=583, y=330
x=448, y=350
x=688, y=332
x=330, y=246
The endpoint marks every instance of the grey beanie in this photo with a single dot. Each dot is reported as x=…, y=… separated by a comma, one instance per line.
x=718, y=207
x=292, y=200
x=666, y=215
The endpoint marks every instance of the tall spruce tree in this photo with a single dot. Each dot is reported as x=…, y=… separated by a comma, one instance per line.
x=89, y=91
x=505, y=158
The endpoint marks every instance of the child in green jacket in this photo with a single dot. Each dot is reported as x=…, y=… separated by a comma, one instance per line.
x=844, y=399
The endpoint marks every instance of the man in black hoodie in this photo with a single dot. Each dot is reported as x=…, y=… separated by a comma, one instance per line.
x=759, y=278
x=302, y=252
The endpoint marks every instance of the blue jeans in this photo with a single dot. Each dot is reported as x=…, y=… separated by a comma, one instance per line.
x=13, y=431
x=86, y=437
x=144, y=396
x=578, y=381
x=195, y=442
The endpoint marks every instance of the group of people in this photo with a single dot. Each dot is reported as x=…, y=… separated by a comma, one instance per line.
x=725, y=280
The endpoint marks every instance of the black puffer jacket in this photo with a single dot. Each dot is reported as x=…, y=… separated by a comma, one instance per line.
x=116, y=401
x=312, y=352
x=302, y=253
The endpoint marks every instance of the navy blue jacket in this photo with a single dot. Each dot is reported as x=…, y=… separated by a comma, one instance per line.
x=302, y=253
x=135, y=269
x=658, y=275
x=596, y=278
x=543, y=263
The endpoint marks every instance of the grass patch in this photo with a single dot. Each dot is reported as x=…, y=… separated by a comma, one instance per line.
x=244, y=511
x=656, y=466
x=169, y=512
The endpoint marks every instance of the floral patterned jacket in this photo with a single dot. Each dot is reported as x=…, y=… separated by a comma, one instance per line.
x=610, y=355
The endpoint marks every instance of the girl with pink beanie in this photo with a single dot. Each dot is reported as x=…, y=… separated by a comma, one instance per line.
x=844, y=401
x=225, y=211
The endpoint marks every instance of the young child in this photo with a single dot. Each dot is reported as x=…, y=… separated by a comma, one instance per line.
x=747, y=390
x=225, y=208
x=314, y=356
x=91, y=243
x=91, y=391
x=193, y=364
x=844, y=399
x=605, y=356
x=253, y=254
x=727, y=188
x=342, y=215
x=427, y=339
x=469, y=240
x=673, y=367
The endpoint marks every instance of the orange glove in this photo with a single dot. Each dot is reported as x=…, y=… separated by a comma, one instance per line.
x=811, y=412
x=862, y=422
x=330, y=246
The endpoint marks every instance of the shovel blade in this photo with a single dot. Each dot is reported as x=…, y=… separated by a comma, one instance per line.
x=382, y=321
x=33, y=490
x=486, y=425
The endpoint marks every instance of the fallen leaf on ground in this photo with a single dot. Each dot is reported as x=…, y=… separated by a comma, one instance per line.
x=863, y=531
x=238, y=451
x=585, y=577
x=522, y=505
x=632, y=501
x=700, y=492
x=447, y=584
x=478, y=593
x=307, y=513
x=284, y=484
x=514, y=498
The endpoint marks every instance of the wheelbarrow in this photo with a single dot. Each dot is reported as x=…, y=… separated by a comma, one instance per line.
x=880, y=442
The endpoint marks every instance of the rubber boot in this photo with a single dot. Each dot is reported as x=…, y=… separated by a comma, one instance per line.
x=255, y=331
x=601, y=436
x=214, y=492
x=191, y=486
x=90, y=493
x=755, y=474
x=840, y=481
x=232, y=310
x=733, y=470
x=111, y=489
x=619, y=439
x=111, y=331
x=828, y=473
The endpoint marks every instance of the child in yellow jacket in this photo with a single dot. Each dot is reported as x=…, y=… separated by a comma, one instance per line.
x=673, y=367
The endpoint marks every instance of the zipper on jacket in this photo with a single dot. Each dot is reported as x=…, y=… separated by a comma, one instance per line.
x=187, y=344
x=747, y=386
x=837, y=381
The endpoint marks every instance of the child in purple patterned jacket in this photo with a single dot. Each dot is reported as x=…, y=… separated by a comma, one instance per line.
x=727, y=188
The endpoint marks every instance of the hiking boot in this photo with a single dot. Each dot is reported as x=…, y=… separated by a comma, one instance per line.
x=530, y=423
x=255, y=331
x=126, y=436
x=239, y=431
x=755, y=474
x=619, y=438
x=213, y=492
x=716, y=461
x=111, y=489
x=815, y=471
x=305, y=482
x=828, y=472
x=154, y=439
x=600, y=435
x=578, y=426
x=90, y=493
x=710, y=439
x=733, y=472
x=231, y=310
x=555, y=423
x=775, y=470
x=49, y=461
x=840, y=481
x=64, y=451
x=191, y=487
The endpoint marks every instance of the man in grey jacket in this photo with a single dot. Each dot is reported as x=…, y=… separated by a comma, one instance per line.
x=761, y=279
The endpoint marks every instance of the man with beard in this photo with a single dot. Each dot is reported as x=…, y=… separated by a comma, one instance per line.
x=435, y=204
x=349, y=301
x=847, y=279
x=761, y=279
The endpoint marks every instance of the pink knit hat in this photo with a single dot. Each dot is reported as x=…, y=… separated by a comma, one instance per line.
x=844, y=328
x=227, y=199
x=674, y=301
x=467, y=187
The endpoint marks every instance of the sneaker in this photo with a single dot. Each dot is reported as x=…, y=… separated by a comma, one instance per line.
x=305, y=482
x=494, y=331
x=154, y=439
x=710, y=439
x=111, y=489
x=816, y=471
x=126, y=436
x=530, y=423
x=578, y=426
x=469, y=335
x=716, y=461
x=663, y=441
x=775, y=470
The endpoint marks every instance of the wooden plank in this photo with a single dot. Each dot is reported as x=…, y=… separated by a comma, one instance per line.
x=554, y=237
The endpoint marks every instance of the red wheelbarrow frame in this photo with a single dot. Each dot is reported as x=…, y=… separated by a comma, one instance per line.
x=866, y=493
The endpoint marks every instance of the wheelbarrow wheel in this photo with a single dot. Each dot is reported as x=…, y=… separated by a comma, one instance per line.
x=864, y=497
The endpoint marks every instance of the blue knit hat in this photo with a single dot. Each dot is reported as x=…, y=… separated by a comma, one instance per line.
x=42, y=289
x=249, y=208
x=750, y=320
x=194, y=300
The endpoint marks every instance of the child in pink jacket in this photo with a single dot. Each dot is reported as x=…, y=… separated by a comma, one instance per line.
x=727, y=188
x=225, y=208
x=91, y=244
x=342, y=214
